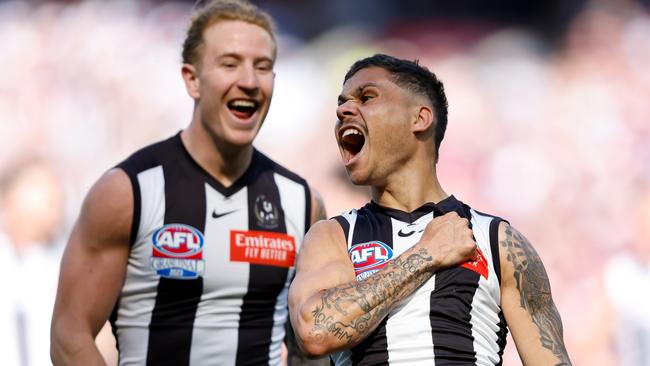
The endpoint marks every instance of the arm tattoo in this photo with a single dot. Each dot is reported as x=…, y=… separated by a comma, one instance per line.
x=535, y=292
x=374, y=296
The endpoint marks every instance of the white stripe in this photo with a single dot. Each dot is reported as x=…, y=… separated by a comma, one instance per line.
x=351, y=217
x=215, y=334
x=292, y=199
x=294, y=205
x=410, y=342
x=138, y=296
x=481, y=230
x=485, y=304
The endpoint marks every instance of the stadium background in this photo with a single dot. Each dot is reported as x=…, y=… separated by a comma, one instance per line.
x=548, y=127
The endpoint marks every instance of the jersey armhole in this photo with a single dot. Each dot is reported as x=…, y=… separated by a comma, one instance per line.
x=308, y=214
x=345, y=225
x=135, y=187
x=494, y=245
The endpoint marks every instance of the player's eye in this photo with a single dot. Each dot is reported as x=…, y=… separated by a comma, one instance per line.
x=228, y=63
x=264, y=66
x=366, y=97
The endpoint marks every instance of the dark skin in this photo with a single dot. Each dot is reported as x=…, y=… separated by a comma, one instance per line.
x=330, y=310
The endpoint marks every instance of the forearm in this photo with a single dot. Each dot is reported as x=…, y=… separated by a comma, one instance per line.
x=342, y=316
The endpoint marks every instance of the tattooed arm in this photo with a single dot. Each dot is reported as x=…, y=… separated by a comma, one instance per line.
x=294, y=355
x=330, y=310
x=527, y=304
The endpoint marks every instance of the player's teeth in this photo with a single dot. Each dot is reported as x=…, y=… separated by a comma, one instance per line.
x=351, y=132
x=243, y=103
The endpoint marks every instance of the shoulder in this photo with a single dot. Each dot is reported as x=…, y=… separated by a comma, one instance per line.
x=510, y=238
x=519, y=258
x=152, y=155
x=107, y=209
x=324, y=234
x=326, y=228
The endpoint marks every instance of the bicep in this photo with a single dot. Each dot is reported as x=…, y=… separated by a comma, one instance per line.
x=322, y=263
x=94, y=262
x=527, y=303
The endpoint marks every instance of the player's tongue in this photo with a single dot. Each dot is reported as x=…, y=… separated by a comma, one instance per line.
x=241, y=108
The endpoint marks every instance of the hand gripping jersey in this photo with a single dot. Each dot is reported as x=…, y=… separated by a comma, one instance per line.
x=209, y=267
x=454, y=318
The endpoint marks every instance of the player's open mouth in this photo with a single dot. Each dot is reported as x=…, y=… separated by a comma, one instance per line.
x=351, y=140
x=243, y=108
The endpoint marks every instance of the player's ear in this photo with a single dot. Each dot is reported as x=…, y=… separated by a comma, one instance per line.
x=191, y=79
x=423, y=119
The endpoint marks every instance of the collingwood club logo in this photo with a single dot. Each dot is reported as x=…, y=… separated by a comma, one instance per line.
x=266, y=213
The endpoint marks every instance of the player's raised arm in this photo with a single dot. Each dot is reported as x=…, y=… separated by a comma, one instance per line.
x=330, y=310
x=295, y=355
x=527, y=303
x=92, y=270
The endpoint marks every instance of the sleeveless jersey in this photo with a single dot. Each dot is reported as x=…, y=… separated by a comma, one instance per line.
x=454, y=318
x=209, y=267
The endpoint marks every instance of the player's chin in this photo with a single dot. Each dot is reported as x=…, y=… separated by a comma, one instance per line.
x=242, y=137
x=357, y=177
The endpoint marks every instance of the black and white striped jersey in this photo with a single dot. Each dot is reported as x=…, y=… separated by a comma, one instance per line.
x=454, y=318
x=209, y=267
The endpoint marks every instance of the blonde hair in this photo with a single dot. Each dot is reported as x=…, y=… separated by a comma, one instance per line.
x=220, y=10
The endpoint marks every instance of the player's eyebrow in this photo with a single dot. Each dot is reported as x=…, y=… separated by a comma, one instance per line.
x=343, y=98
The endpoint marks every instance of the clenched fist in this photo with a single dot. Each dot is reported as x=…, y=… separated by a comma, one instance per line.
x=448, y=239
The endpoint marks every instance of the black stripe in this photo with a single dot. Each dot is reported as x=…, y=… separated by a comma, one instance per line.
x=502, y=335
x=112, y=319
x=308, y=215
x=172, y=319
x=450, y=306
x=265, y=282
x=137, y=203
x=451, y=330
x=494, y=246
x=131, y=171
x=345, y=225
x=451, y=303
x=370, y=226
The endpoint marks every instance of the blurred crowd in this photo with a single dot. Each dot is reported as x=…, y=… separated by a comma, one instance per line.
x=554, y=137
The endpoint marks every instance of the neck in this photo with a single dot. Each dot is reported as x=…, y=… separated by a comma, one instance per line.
x=226, y=163
x=415, y=184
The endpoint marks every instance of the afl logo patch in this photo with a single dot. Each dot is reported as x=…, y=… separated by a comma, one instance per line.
x=266, y=213
x=368, y=258
x=177, y=251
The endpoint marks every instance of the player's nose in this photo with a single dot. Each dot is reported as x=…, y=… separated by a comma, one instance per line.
x=346, y=110
x=248, y=79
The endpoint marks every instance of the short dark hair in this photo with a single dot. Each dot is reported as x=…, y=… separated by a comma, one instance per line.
x=416, y=78
x=210, y=12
